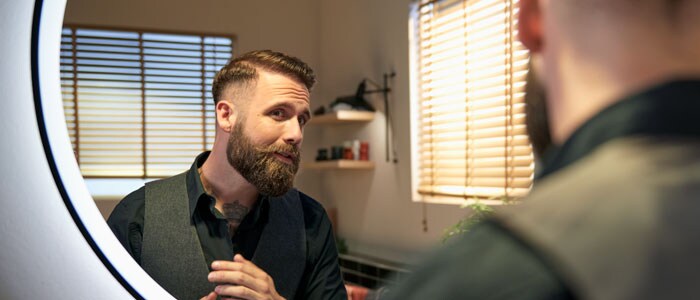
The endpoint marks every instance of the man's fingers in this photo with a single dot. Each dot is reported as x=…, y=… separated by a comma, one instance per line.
x=239, y=278
x=242, y=279
x=237, y=292
x=211, y=296
x=239, y=258
x=250, y=266
x=239, y=264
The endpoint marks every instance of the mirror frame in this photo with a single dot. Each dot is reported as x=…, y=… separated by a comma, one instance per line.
x=70, y=252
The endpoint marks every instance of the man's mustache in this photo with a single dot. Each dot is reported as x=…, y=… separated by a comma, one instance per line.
x=288, y=149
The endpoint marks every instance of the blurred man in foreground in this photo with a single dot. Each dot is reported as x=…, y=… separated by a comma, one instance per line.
x=614, y=214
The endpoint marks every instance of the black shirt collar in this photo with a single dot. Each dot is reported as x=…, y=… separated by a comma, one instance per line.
x=198, y=196
x=670, y=109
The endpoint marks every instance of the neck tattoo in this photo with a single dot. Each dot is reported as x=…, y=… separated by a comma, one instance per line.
x=234, y=213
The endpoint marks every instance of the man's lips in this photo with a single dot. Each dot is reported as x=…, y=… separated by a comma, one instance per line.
x=286, y=157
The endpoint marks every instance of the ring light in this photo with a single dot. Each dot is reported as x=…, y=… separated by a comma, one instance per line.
x=55, y=241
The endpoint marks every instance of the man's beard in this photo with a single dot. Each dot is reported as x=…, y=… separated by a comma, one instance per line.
x=536, y=119
x=259, y=166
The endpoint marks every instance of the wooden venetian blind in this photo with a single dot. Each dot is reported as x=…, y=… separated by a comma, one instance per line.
x=138, y=104
x=472, y=142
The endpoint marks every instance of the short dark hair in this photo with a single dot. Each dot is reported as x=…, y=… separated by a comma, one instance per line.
x=243, y=69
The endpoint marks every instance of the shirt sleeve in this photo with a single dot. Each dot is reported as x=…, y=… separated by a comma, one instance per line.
x=126, y=222
x=487, y=263
x=322, y=276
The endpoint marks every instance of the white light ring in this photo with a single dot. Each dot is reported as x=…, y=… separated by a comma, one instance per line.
x=45, y=49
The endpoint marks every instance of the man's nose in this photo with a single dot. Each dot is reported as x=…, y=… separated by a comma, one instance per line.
x=293, y=133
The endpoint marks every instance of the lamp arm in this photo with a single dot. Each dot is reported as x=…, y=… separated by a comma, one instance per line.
x=389, y=136
x=374, y=83
x=385, y=90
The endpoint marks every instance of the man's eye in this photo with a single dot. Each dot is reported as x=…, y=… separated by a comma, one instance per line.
x=277, y=113
x=302, y=121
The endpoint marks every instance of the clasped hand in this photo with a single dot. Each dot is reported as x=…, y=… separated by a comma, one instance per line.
x=240, y=279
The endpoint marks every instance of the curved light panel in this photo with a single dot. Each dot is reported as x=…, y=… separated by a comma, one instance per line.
x=55, y=242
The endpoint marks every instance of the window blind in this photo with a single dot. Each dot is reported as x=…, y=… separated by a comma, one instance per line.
x=138, y=104
x=472, y=137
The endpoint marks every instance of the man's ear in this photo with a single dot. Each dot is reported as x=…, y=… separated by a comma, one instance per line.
x=226, y=114
x=530, y=25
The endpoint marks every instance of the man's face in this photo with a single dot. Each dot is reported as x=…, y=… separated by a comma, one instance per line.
x=264, y=145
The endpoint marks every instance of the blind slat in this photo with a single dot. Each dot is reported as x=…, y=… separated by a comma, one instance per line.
x=135, y=101
x=471, y=73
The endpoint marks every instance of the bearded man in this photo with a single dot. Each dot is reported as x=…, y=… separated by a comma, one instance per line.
x=233, y=226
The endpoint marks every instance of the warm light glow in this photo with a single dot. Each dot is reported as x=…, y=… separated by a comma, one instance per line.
x=472, y=137
x=138, y=104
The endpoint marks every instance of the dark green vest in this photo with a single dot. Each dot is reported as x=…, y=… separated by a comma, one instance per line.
x=173, y=256
x=621, y=223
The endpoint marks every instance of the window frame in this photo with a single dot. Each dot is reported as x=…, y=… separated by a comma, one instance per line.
x=416, y=98
x=207, y=130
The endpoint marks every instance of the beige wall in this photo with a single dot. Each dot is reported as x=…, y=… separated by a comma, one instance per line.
x=344, y=41
x=290, y=26
x=363, y=39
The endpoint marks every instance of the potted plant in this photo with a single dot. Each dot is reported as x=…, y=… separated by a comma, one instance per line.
x=479, y=212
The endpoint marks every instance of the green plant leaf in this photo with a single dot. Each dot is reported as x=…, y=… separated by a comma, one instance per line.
x=479, y=212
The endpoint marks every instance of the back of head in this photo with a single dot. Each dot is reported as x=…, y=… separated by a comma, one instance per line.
x=671, y=26
x=596, y=52
x=243, y=70
x=662, y=10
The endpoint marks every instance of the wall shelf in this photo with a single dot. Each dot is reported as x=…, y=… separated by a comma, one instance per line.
x=343, y=117
x=340, y=164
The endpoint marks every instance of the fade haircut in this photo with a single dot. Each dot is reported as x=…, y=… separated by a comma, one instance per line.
x=242, y=70
x=621, y=8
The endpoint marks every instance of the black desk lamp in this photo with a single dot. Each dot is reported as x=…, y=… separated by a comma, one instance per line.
x=358, y=102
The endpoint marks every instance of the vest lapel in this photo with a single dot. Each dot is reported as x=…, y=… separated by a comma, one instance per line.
x=171, y=251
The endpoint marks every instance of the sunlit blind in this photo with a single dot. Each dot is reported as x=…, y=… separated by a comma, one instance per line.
x=472, y=138
x=138, y=104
